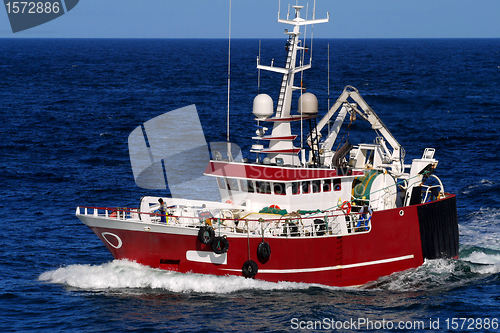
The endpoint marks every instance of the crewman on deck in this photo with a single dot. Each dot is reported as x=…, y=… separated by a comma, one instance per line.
x=162, y=210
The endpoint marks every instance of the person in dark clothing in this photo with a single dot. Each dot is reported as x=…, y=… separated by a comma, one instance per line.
x=163, y=211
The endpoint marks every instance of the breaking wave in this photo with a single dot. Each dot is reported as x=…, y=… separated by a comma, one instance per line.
x=123, y=274
x=475, y=264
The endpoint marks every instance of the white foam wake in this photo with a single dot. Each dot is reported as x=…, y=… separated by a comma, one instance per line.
x=483, y=258
x=123, y=274
x=440, y=273
x=490, y=262
x=480, y=240
x=482, y=229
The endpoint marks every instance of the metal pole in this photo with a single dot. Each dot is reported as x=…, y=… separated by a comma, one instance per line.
x=229, y=71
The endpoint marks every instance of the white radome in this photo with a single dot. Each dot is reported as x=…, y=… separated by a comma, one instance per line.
x=308, y=104
x=263, y=106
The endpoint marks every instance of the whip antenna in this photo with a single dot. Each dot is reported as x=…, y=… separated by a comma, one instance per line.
x=229, y=155
x=328, y=70
x=328, y=82
x=229, y=72
x=312, y=32
x=258, y=71
x=301, y=62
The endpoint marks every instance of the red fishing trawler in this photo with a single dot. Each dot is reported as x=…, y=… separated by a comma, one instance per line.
x=339, y=216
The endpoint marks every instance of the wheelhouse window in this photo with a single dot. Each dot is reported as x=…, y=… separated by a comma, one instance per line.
x=243, y=185
x=305, y=187
x=232, y=184
x=316, y=186
x=263, y=187
x=337, y=185
x=295, y=188
x=327, y=185
x=250, y=186
x=222, y=183
x=279, y=188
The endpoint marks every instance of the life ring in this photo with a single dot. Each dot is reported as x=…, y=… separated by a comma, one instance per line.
x=220, y=245
x=275, y=207
x=113, y=213
x=206, y=234
x=263, y=252
x=319, y=227
x=346, y=206
x=249, y=269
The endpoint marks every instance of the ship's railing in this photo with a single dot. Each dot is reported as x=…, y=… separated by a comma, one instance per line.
x=335, y=222
x=109, y=212
x=430, y=194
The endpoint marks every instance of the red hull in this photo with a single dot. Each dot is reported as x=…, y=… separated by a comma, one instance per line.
x=393, y=244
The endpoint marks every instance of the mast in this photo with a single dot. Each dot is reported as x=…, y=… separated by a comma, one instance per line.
x=284, y=150
x=290, y=69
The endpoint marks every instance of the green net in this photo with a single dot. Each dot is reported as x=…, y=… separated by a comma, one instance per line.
x=269, y=210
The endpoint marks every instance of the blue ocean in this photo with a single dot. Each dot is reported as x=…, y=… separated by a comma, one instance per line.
x=68, y=106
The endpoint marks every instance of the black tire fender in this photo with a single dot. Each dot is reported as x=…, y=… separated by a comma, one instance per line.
x=220, y=245
x=250, y=269
x=206, y=234
x=263, y=252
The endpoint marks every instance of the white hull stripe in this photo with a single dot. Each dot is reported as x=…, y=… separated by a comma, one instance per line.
x=330, y=268
x=206, y=256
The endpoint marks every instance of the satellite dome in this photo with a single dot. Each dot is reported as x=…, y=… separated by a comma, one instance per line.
x=308, y=104
x=263, y=106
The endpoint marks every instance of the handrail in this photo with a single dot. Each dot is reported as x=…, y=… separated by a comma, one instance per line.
x=439, y=181
x=135, y=210
x=429, y=188
x=341, y=224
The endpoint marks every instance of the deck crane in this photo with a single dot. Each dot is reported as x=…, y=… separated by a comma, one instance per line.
x=350, y=101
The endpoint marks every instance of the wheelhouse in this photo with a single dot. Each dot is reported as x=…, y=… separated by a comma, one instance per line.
x=256, y=186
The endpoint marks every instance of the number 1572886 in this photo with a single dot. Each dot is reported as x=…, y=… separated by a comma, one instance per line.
x=33, y=7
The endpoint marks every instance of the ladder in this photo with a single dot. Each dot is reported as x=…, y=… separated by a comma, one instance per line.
x=284, y=82
x=314, y=143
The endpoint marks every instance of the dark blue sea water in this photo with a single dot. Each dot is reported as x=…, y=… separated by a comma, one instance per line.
x=68, y=106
